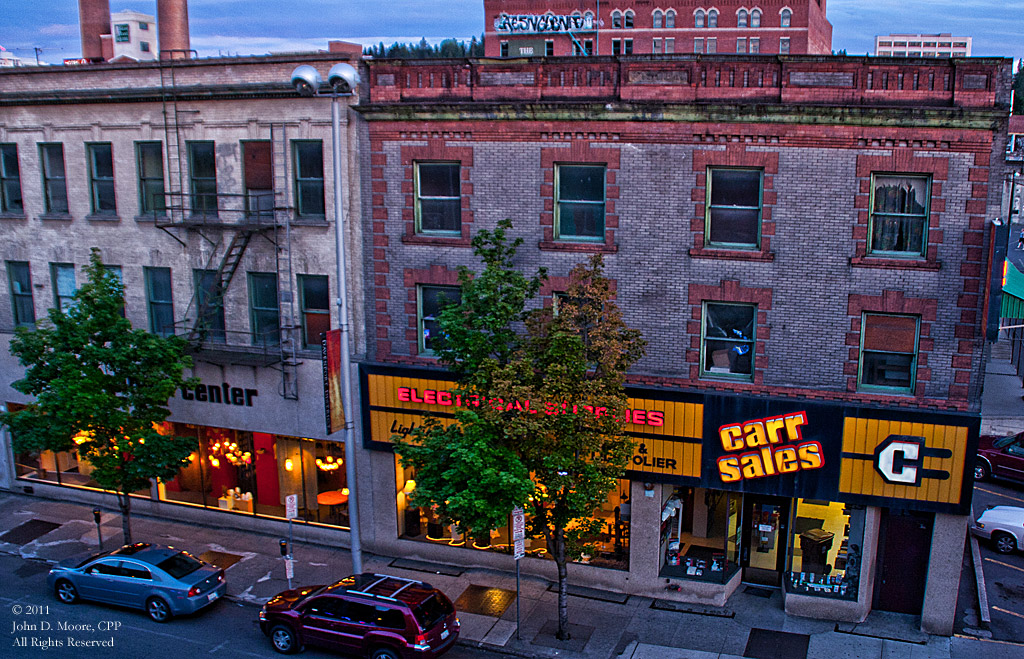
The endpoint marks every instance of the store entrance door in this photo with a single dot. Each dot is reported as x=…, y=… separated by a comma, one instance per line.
x=763, y=555
x=904, y=544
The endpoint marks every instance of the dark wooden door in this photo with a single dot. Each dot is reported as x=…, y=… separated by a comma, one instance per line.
x=904, y=543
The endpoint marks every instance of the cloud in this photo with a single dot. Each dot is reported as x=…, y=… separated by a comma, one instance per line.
x=60, y=30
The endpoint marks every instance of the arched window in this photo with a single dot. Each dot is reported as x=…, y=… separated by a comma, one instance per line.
x=755, y=18
x=712, y=18
x=787, y=15
x=741, y=18
x=698, y=18
x=616, y=19
x=657, y=19
x=628, y=22
x=670, y=18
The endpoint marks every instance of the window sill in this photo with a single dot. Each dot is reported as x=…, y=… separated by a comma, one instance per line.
x=564, y=246
x=309, y=222
x=56, y=217
x=884, y=263
x=13, y=216
x=149, y=218
x=102, y=218
x=731, y=254
x=446, y=241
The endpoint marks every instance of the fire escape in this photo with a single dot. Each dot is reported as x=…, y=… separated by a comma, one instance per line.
x=228, y=223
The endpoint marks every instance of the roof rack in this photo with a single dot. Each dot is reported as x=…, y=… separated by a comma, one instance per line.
x=380, y=578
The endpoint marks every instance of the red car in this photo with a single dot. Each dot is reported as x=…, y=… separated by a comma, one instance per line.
x=1000, y=456
x=367, y=615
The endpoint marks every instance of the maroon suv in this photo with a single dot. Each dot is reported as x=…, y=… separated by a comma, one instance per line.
x=1000, y=456
x=368, y=615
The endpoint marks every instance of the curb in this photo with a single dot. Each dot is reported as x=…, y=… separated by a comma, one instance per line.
x=979, y=574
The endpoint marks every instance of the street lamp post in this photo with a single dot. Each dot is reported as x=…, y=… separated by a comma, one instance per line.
x=342, y=78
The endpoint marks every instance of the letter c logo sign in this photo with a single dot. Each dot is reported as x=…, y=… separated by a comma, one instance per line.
x=900, y=460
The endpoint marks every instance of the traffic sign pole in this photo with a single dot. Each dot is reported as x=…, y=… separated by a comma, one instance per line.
x=518, y=551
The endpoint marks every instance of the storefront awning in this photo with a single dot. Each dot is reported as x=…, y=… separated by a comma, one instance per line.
x=1013, y=293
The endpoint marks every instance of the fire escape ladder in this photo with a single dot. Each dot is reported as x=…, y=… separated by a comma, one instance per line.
x=207, y=305
x=283, y=247
x=175, y=176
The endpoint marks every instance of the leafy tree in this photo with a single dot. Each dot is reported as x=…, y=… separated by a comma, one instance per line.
x=100, y=388
x=548, y=433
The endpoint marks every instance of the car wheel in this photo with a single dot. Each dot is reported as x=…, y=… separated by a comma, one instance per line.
x=384, y=653
x=284, y=639
x=1004, y=543
x=981, y=472
x=66, y=591
x=158, y=609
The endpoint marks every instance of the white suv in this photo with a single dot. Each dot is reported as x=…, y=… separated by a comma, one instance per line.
x=1004, y=526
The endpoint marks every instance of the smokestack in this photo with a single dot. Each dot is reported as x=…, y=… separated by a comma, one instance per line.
x=94, y=21
x=172, y=28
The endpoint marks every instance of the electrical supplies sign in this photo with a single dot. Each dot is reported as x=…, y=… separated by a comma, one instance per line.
x=542, y=23
x=331, y=355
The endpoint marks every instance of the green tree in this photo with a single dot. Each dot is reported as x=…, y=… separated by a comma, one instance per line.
x=549, y=432
x=100, y=388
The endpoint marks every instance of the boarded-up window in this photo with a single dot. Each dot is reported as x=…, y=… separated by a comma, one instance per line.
x=888, y=352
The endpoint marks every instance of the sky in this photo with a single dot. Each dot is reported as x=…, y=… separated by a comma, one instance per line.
x=256, y=27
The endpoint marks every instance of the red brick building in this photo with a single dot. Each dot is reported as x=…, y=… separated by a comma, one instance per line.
x=525, y=28
x=800, y=240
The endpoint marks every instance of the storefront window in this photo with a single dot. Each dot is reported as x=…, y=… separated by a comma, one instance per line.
x=699, y=534
x=609, y=548
x=827, y=541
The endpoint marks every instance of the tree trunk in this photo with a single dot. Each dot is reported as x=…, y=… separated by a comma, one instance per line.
x=563, y=591
x=125, y=503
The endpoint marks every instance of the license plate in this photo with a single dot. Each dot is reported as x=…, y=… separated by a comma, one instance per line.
x=444, y=634
x=212, y=596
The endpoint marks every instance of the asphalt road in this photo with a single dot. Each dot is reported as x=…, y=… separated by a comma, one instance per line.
x=1004, y=574
x=225, y=630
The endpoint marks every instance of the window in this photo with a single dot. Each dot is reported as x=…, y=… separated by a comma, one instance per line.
x=616, y=46
x=101, y=179
x=927, y=44
x=713, y=18
x=63, y=276
x=670, y=46
x=627, y=20
x=888, y=352
x=134, y=571
x=888, y=44
x=727, y=341
x=202, y=169
x=264, y=314
x=656, y=46
x=712, y=44
x=899, y=214
x=579, y=203
x=698, y=18
x=755, y=18
x=830, y=537
x=786, y=16
x=670, y=19
x=503, y=49
x=549, y=48
x=616, y=19
x=588, y=46
x=734, y=207
x=143, y=26
x=627, y=46
x=657, y=19
x=956, y=44
x=10, y=180
x=20, y=279
x=914, y=44
x=158, y=301
x=54, y=184
x=150, y=165
x=741, y=45
x=258, y=180
x=430, y=301
x=438, y=197
x=122, y=33
x=209, y=306
x=784, y=46
x=315, y=307
x=755, y=45
x=308, y=157
x=144, y=46
x=116, y=271
x=698, y=45
x=741, y=18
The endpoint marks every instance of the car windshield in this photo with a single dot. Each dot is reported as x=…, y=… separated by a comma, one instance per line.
x=180, y=565
x=85, y=559
x=432, y=610
x=1003, y=442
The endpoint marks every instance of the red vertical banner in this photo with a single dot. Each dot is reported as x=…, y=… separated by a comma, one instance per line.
x=331, y=356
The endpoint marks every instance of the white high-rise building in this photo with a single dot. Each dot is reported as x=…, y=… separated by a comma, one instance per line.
x=922, y=45
x=134, y=35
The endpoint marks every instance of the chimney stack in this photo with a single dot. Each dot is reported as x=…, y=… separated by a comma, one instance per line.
x=94, y=22
x=172, y=28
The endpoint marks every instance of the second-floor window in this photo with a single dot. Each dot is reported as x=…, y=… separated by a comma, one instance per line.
x=101, y=179
x=712, y=18
x=202, y=170
x=698, y=18
x=438, y=197
x=20, y=279
x=150, y=165
x=888, y=353
x=733, y=207
x=785, y=17
x=10, y=180
x=728, y=340
x=309, y=178
x=899, y=215
x=579, y=202
x=209, y=306
x=63, y=278
x=55, y=189
x=670, y=18
x=264, y=313
x=315, y=306
x=741, y=18
x=755, y=18
x=656, y=21
x=159, y=301
x=122, y=33
x=430, y=300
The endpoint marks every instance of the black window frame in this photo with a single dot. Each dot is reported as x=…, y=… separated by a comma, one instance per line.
x=155, y=305
x=737, y=360
x=19, y=276
x=710, y=208
x=102, y=190
x=450, y=202
x=53, y=182
x=11, y=200
x=152, y=199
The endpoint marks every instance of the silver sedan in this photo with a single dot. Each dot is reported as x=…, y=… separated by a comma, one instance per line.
x=162, y=581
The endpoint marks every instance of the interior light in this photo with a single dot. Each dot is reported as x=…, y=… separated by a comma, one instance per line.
x=288, y=464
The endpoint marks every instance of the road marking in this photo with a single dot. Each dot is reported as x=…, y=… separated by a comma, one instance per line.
x=988, y=640
x=1009, y=612
x=999, y=494
x=1004, y=564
